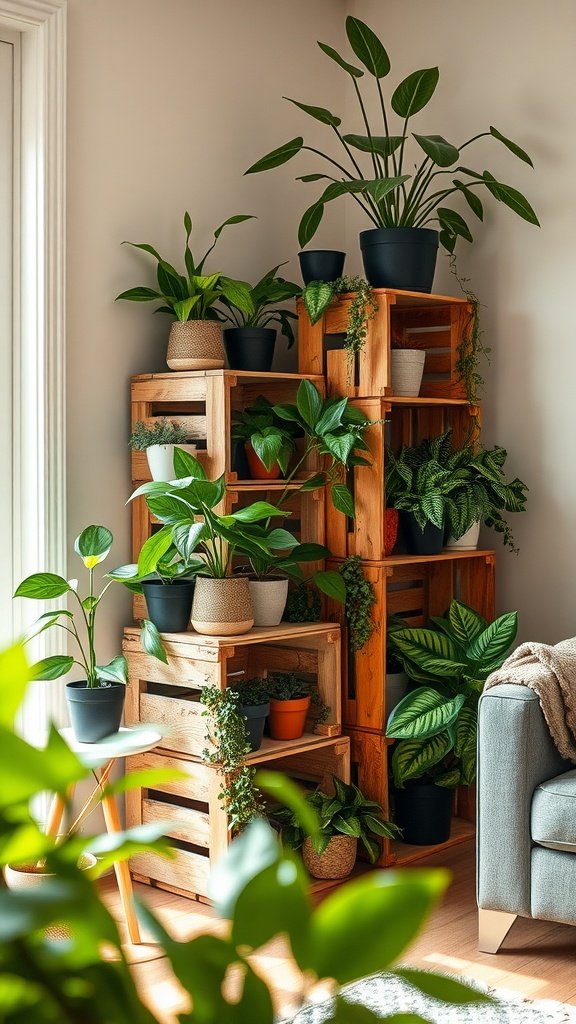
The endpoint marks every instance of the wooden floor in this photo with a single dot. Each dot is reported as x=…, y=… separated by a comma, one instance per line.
x=537, y=959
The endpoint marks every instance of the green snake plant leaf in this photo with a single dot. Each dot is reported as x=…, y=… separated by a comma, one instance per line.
x=465, y=732
x=367, y=47
x=412, y=759
x=276, y=157
x=512, y=146
x=310, y=223
x=433, y=652
x=423, y=713
x=441, y=152
x=490, y=648
x=414, y=92
x=317, y=296
x=335, y=56
x=318, y=113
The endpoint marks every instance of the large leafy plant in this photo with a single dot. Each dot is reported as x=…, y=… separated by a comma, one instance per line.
x=397, y=179
x=436, y=724
x=272, y=439
x=194, y=294
x=423, y=488
x=265, y=299
x=260, y=889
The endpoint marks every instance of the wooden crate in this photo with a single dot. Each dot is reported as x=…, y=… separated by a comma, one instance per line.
x=414, y=587
x=203, y=402
x=438, y=324
x=168, y=696
x=396, y=421
x=198, y=824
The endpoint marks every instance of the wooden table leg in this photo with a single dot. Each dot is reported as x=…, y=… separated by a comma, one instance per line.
x=113, y=824
x=55, y=815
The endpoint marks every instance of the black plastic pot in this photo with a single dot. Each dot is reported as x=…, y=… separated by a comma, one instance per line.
x=256, y=715
x=429, y=541
x=321, y=264
x=95, y=712
x=250, y=348
x=424, y=813
x=402, y=258
x=169, y=604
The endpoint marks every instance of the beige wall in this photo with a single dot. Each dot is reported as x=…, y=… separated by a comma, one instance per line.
x=512, y=65
x=169, y=101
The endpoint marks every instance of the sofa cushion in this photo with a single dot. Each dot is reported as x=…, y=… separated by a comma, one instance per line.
x=553, y=816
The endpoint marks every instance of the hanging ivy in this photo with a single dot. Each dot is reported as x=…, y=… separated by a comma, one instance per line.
x=227, y=734
x=360, y=598
x=471, y=348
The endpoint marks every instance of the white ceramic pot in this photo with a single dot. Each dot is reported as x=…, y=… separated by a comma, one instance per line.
x=406, y=369
x=161, y=459
x=467, y=542
x=396, y=689
x=268, y=601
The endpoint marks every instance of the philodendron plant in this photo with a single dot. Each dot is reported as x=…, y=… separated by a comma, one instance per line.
x=397, y=177
x=436, y=723
x=266, y=299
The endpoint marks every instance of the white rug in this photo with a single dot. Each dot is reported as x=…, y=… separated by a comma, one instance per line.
x=385, y=994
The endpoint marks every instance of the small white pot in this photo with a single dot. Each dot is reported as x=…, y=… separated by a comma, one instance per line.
x=406, y=369
x=161, y=459
x=467, y=542
x=268, y=601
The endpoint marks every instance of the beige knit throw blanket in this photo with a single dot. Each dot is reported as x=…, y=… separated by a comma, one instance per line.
x=551, y=673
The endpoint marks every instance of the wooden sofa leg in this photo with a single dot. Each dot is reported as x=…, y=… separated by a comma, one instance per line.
x=493, y=927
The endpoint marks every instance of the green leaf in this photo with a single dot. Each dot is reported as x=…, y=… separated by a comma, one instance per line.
x=152, y=642
x=411, y=759
x=277, y=156
x=432, y=651
x=414, y=92
x=116, y=671
x=43, y=586
x=168, y=508
x=186, y=465
x=317, y=296
x=454, y=223
x=422, y=713
x=27, y=771
x=281, y=540
x=54, y=667
x=511, y=198
x=512, y=146
x=184, y=307
x=238, y=294
x=331, y=416
x=238, y=218
x=310, y=223
x=492, y=645
x=389, y=906
x=447, y=990
x=340, y=447
x=448, y=779
x=255, y=849
x=15, y=674
x=282, y=889
x=342, y=499
x=367, y=47
x=286, y=792
x=383, y=145
x=471, y=198
x=152, y=551
x=140, y=294
x=465, y=732
x=93, y=545
x=443, y=153
x=380, y=187
x=331, y=584
x=257, y=511
x=314, y=482
x=335, y=56
x=465, y=623
x=309, y=403
x=267, y=448
x=319, y=113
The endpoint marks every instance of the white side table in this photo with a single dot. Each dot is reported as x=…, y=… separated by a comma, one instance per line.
x=100, y=758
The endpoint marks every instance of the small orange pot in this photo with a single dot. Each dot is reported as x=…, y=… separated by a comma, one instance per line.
x=390, y=530
x=287, y=718
x=257, y=468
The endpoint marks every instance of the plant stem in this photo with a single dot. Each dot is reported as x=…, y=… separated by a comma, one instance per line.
x=377, y=169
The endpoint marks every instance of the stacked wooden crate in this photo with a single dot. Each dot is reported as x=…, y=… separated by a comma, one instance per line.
x=414, y=587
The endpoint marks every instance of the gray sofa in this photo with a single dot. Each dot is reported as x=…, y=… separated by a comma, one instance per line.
x=526, y=839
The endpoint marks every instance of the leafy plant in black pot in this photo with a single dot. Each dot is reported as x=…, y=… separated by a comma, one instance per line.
x=436, y=723
x=254, y=706
x=423, y=493
x=321, y=265
x=399, y=250
x=250, y=342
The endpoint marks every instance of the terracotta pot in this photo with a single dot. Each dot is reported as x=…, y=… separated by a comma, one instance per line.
x=257, y=468
x=195, y=345
x=390, y=530
x=269, y=598
x=337, y=861
x=288, y=718
x=222, y=607
x=25, y=876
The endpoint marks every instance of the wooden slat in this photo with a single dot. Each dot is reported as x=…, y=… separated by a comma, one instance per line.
x=185, y=823
x=188, y=871
x=181, y=722
x=163, y=388
x=194, y=787
x=178, y=672
x=179, y=643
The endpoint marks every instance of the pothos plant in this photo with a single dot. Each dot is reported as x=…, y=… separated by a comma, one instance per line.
x=228, y=748
x=317, y=296
x=360, y=599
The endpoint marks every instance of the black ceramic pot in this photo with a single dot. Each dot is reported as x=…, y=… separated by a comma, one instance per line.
x=250, y=348
x=95, y=712
x=424, y=813
x=403, y=258
x=429, y=541
x=169, y=604
x=256, y=715
x=321, y=264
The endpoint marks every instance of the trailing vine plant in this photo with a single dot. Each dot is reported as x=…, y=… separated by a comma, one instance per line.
x=360, y=598
x=317, y=296
x=471, y=348
x=227, y=734
x=303, y=604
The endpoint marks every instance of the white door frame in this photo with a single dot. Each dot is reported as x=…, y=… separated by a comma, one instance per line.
x=39, y=454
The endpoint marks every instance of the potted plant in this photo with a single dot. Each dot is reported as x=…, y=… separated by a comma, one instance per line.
x=290, y=700
x=436, y=723
x=406, y=367
x=250, y=342
x=399, y=250
x=95, y=702
x=318, y=295
x=195, y=341
x=254, y=706
x=228, y=746
x=168, y=590
x=270, y=573
x=321, y=265
x=264, y=436
x=159, y=441
x=397, y=681
x=345, y=817
x=423, y=492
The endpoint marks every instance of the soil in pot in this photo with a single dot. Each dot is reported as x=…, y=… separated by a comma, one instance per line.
x=255, y=715
x=428, y=541
x=269, y=598
x=406, y=371
x=424, y=813
x=169, y=604
x=401, y=258
x=195, y=345
x=222, y=607
x=321, y=264
x=288, y=718
x=95, y=711
x=250, y=348
x=337, y=861
x=257, y=468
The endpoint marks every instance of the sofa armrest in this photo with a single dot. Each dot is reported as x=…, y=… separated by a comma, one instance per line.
x=515, y=754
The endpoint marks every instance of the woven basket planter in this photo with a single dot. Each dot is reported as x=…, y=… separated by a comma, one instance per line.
x=337, y=861
x=222, y=607
x=195, y=345
x=406, y=369
x=25, y=876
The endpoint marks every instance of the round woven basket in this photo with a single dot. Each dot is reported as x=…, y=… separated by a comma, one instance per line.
x=195, y=345
x=222, y=607
x=406, y=369
x=26, y=876
x=337, y=861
